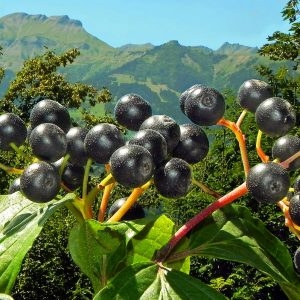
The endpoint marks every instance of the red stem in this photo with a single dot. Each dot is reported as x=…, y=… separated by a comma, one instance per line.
x=192, y=223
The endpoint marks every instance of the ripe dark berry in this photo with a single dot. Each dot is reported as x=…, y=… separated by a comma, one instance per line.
x=154, y=142
x=185, y=94
x=294, y=209
x=102, y=140
x=284, y=147
x=50, y=111
x=297, y=260
x=204, y=106
x=14, y=186
x=275, y=116
x=135, y=212
x=252, y=92
x=268, y=182
x=131, y=111
x=72, y=176
x=131, y=165
x=296, y=184
x=48, y=142
x=76, y=150
x=12, y=130
x=40, y=182
x=193, y=145
x=173, y=179
x=166, y=126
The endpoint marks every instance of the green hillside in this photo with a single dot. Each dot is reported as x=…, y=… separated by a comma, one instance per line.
x=158, y=73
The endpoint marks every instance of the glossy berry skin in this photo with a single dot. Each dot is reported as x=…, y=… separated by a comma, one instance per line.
x=14, y=186
x=294, y=208
x=131, y=111
x=284, y=147
x=50, y=111
x=252, y=92
x=297, y=260
x=154, y=142
x=12, y=130
x=72, y=176
x=185, y=95
x=173, y=179
x=40, y=182
x=268, y=182
x=102, y=140
x=131, y=165
x=275, y=117
x=135, y=212
x=48, y=142
x=296, y=184
x=166, y=126
x=204, y=106
x=193, y=145
x=75, y=140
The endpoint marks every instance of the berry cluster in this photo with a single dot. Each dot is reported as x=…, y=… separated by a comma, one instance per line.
x=160, y=151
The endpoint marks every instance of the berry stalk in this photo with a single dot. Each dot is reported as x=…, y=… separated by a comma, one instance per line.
x=104, y=201
x=241, y=140
x=197, y=219
x=259, y=150
x=10, y=170
x=136, y=192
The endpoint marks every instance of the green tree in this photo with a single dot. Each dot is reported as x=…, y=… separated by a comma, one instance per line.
x=284, y=47
x=40, y=78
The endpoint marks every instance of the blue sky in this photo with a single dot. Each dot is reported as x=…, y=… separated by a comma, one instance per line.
x=192, y=22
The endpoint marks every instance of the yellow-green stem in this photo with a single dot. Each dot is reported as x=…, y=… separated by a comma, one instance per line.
x=205, y=188
x=136, y=192
x=259, y=150
x=11, y=170
x=86, y=177
x=104, y=201
x=241, y=140
x=241, y=118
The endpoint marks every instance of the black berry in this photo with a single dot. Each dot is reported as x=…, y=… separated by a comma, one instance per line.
x=284, y=147
x=204, y=106
x=252, y=92
x=14, y=186
x=75, y=140
x=102, y=140
x=50, y=111
x=72, y=176
x=275, y=116
x=131, y=110
x=268, y=182
x=131, y=165
x=12, y=130
x=185, y=95
x=166, y=126
x=193, y=145
x=40, y=182
x=48, y=142
x=294, y=209
x=154, y=142
x=173, y=178
x=135, y=212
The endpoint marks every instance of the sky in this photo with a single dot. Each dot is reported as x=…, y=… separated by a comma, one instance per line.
x=207, y=23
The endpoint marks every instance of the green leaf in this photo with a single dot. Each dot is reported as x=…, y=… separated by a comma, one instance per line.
x=21, y=221
x=144, y=281
x=233, y=234
x=99, y=248
x=143, y=247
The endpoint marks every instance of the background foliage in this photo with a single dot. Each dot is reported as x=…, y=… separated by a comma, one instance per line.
x=48, y=272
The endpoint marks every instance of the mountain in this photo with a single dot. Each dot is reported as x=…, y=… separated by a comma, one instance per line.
x=158, y=73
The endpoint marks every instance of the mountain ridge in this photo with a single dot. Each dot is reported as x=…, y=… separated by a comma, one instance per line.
x=158, y=73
